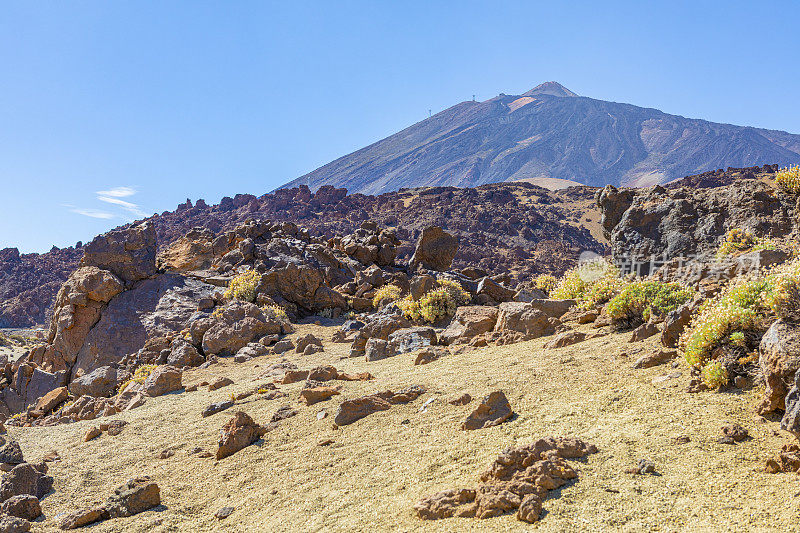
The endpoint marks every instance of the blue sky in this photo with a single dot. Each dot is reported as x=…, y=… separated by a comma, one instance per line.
x=113, y=110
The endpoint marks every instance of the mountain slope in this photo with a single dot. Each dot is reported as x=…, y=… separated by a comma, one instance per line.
x=550, y=131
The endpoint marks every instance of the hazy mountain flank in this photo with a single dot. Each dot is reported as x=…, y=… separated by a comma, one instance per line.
x=550, y=132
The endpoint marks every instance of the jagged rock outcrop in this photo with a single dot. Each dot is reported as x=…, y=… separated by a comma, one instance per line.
x=435, y=250
x=656, y=225
x=129, y=253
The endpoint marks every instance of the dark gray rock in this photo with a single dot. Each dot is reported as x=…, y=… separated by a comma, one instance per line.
x=99, y=383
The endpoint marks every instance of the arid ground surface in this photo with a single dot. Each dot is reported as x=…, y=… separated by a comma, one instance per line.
x=369, y=478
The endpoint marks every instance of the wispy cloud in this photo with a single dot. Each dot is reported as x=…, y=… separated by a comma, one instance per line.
x=93, y=213
x=113, y=196
x=127, y=206
x=118, y=192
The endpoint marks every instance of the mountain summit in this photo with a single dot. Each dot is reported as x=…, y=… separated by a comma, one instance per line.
x=553, y=88
x=551, y=132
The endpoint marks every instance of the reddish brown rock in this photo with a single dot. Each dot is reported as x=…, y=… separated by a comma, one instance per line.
x=493, y=410
x=356, y=409
x=219, y=383
x=92, y=433
x=658, y=357
x=566, y=338
x=435, y=250
x=468, y=322
x=430, y=354
x=162, y=379
x=23, y=506
x=241, y=431
x=519, y=478
x=314, y=395
x=50, y=400
x=462, y=399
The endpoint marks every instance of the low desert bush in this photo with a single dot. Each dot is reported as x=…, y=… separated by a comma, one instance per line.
x=715, y=375
x=727, y=328
x=385, y=295
x=738, y=241
x=435, y=304
x=788, y=179
x=243, y=286
x=545, y=282
x=275, y=312
x=139, y=376
x=640, y=300
x=590, y=284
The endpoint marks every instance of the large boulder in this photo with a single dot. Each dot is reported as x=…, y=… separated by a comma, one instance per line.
x=129, y=253
x=410, y=339
x=162, y=379
x=435, y=250
x=779, y=360
x=496, y=292
x=238, y=324
x=98, y=383
x=25, y=479
x=523, y=321
x=552, y=308
x=468, y=322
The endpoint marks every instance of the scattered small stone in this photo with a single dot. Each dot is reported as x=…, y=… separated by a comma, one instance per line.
x=322, y=414
x=313, y=395
x=658, y=357
x=735, y=432
x=430, y=354
x=191, y=388
x=216, y=407
x=115, y=427
x=166, y=454
x=283, y=413
x=493, y=410
x=424, y=406
x=696, y=385
x=219, y=383
x=682, y=439
x=644, y=466
x=92, y=433
x=326, y=442
x=463, y=399
x=741, y=382
x=51, y=457
x=224, y=513
x=726, y=440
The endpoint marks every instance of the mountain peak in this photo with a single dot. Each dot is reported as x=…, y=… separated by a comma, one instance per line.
x=553, y=88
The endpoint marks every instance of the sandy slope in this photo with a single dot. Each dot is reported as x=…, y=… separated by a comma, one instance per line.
x=379, y=467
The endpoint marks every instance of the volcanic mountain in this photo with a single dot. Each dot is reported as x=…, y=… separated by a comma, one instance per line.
x=551, y=132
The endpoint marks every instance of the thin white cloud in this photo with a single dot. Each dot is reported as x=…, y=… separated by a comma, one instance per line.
x=127, y=206
x=118, y=192
x=93, y=213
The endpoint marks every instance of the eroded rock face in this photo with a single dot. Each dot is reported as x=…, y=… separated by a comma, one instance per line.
x=519, y=478
x=77, y=309
x=435, y=250
x=689, y=221
x=493, y=410
x=155, y=307
x=241, y=431
x=779, y=360
x=129, y=253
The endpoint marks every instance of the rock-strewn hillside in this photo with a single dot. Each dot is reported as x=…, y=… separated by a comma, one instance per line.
x=514, y=228
x=550, y=132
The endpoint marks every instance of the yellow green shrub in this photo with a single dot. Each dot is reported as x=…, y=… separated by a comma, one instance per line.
x=715, y=375
x=139, y=376
x=738, y=241
x=275, y=312
x=590, y=284
x=386, y=294
x=456, y=291
x=437, y=304
x=409, y=307
x=243, y=287
x=640, y=300
x=788, y=179
x=545, y=282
